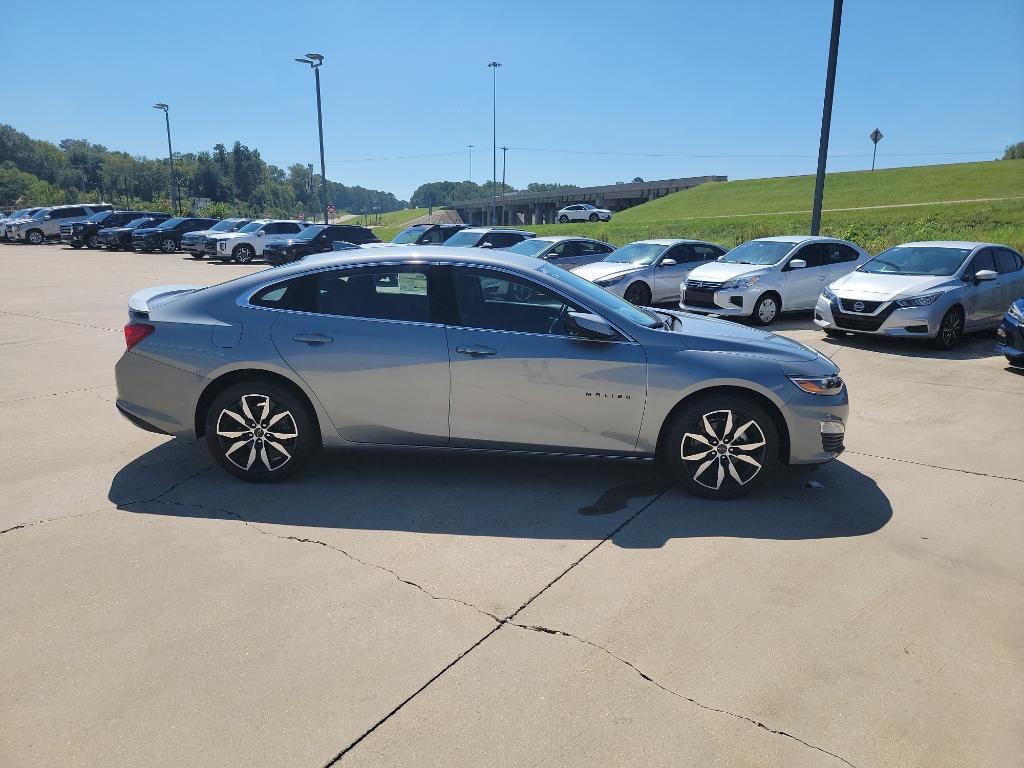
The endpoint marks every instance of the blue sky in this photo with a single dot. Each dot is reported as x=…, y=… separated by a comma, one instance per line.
x=741, y=81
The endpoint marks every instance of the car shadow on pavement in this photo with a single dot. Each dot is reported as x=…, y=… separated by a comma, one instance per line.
x=972, y=346
x=504, y=495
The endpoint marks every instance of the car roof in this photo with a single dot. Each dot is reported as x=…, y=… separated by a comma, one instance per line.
x=972, y=244
x=801, y=239
x=483, y=230
x=560, y=238
x=672, y=241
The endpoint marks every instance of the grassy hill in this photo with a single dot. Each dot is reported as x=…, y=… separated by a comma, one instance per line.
x=394, y=218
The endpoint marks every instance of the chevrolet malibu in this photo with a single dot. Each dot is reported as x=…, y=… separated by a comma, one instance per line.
x=929, y=290
x=466, y=348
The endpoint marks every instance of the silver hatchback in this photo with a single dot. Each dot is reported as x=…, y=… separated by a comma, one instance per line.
x=464, y=348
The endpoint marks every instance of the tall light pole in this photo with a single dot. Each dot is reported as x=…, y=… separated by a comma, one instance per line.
x=826, y=115
x=170, y=156
x=504, y=159
x=471, y=162
x=315, y=60
x=494, y=136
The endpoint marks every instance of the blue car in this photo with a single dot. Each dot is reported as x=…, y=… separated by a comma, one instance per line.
x=1011, y=334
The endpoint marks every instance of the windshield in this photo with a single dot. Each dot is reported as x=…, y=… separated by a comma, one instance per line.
x=171, y=223
x=637, y=253
x=599, y=297
x=464, y=239
x=410, y=235
x=18, y=214
x=136, y=222
x=917, y=260
x=99, y=216
x=310, y=232
x=531, y=247
x=252, y=226
x=760, y=252
x=40, y=213
x=223, y=226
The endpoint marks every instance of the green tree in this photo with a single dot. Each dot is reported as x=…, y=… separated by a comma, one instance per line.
x=1014, y=151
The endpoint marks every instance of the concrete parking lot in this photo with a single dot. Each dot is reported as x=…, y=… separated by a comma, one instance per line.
x=418, y=608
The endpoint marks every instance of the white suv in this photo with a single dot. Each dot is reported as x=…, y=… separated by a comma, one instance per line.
x=763, y=277
x=45, y=225
x=247, y=243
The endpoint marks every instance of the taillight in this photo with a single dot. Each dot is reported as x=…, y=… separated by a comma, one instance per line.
x=136, y=332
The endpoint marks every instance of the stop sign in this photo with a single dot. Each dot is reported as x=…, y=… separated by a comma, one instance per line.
x=302, y=217
x=330, y=210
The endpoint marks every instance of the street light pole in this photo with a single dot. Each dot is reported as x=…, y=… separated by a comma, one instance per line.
x=494, y=136
x=504, y=159
x=826, y=115
x=170, y=156
x=471, y=162
x=315, y=60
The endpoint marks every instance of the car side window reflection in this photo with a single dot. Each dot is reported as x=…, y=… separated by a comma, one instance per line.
x=492, y=300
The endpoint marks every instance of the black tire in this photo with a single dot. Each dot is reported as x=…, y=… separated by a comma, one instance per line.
x=563, y=219
x=35, y=237
x=295, y=439
x=834, y=333
x=168, y=245
x=76, y=246
x=638, y=293
x=766, y=309
x=92, y=242
x=593, y=217
x=950, y=330
x=1016, y=362
x=701, y=459
x=243, y=254
x=198, y=256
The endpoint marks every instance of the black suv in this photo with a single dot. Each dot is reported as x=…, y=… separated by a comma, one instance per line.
x=85, y=232
x=427, y=234
x=316, y=238
x=120, y=238
x=167, y=236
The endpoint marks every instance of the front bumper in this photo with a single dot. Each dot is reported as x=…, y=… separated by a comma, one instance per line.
x=193, y=246
x=277, y=256
x=817, y=427
x=720, y=301
x=1011, y=338
x=139, y=243
x=884, y=319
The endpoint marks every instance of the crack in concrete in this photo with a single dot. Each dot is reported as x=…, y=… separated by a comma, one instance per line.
x=935, y=466
x=54, y=394
x=666, y=689
x=55, y=320
x=19, y=526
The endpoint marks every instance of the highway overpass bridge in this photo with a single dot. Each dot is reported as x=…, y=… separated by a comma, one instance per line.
x=541, y=207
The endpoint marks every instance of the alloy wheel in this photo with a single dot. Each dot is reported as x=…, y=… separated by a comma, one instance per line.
x=952, y=326
x=724, y=449
x=35, y=237
x=638, y=294
x=168, y=245
x=244, y=254
x=256, y=434
x=94, y=242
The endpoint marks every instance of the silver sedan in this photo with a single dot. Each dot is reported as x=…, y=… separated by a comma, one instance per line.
x=464, y=348
x=564, y=251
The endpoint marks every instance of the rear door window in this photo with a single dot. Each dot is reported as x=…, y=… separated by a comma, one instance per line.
x=814, y=254
x=1007, y=261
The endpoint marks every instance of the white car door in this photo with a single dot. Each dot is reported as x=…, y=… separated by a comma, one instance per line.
x=803, y=286
x=667, y=277
x=842, y=260
x=983, y=302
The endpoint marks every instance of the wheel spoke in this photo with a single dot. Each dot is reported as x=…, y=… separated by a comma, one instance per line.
x=232, y=435
x=734, y=474
x=252, y=456
x=263, y=455
x=236, y=417
x=721, y=476
x=266, y=409
x=708, y=427
x=728, y=425
x=747, y=460
x=698, y=438
x=283, y=435
x=697, y=456
x=236, y=446
x=702, y=467
x=245, y=409
x=742, y=430
x=277, y=418
x=279, y=447
x=748, y=446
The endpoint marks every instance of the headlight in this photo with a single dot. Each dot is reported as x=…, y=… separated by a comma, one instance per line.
x=827, y=293
x=606, y=281
x=1016, y=313
x=919, y=301
x=819, y=385
x=740, y=282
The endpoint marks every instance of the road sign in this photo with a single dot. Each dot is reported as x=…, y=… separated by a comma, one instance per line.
x=876, y=136
x=331, y=210
x=302, y=217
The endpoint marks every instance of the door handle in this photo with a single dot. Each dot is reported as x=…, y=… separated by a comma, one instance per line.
x=476, y=350
x=312, y=338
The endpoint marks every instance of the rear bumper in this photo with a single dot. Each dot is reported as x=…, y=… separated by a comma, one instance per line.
x=155, y=396
x=138, y=422
x=1011, y=339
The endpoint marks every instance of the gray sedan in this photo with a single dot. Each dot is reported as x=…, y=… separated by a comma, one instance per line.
x=564, y=251
x=463, y=348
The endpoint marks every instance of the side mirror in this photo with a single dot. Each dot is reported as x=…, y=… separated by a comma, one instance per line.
x=47, y=217
x=984, y=274
x=261, y=233
x=590, y=326
x=797, y=264
x=486, y=245
x=721, y=258
x=668, y=263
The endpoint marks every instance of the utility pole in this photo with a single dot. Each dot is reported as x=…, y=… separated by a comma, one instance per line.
x=494, y=137
x=504, y=150
x=471, y=163
x=826, y=115
x=170, y=156
x=315, y=60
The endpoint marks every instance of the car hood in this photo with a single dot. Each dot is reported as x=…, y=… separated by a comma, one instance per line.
x=116, y=230
x=713, y=335
x=143, y=231
x=720, y=271
x=230, y=235
x=887, y=286
x=599, y=270
x=284, y=243
x=195, y=234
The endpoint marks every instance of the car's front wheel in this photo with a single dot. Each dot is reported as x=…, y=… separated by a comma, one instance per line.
x=950, y=330
x=76, y=246
x=260, y=431
x=721, y=446
x=766, y=309
x=593, y=217
x=563, y=219
x=638, y=293
x=1016, y=362
x=35, y=237
x=243, y=254
x=167, y=245
x=93, y=242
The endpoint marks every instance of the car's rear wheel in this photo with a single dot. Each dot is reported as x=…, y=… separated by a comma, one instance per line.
x=198, y=256
x=93, y=242
x=563, y=219
x=35, y=237
x=76, y=246
x=260, y=431
x=766, y=309
x=167, y=245
x=638, y=293
x=721, y=446
x=243, y=254
x=950, y=329
x=593, y=217
x=1016, y=362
